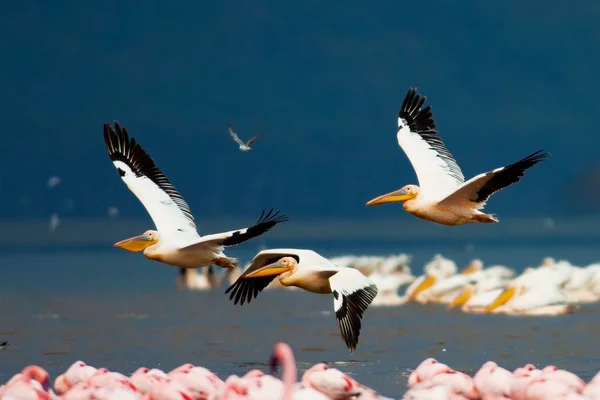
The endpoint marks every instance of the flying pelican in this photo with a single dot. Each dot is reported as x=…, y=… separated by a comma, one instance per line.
x=444, y=197
x=176, y=241
x=352, y=291
x=244, y=146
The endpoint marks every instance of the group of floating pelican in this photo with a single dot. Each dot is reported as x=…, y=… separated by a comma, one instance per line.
x=431, y=380
x=552, y=288
x=443, y=197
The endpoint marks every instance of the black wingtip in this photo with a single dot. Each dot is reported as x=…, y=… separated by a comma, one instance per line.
x=271, y=218
x=418, y=119
x=537, y=156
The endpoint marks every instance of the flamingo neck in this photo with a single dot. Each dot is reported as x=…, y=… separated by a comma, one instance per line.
x=283, y=353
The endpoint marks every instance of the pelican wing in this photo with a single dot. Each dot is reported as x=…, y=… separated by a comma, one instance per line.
x=437, y=171
x=235, y=136
x=246, y=289
x=225, y=239
x=164, y=203
x=352, y=294
x=479, y=189
x=251, y=141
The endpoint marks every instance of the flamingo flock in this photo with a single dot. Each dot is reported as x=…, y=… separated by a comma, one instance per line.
x=431, y=380
x=187, y=382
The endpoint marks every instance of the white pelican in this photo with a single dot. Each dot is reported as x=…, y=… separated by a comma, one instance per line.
x=176, y=241
x=538, y=292
x=437, y=269
x=244, y=146
x=475, y=298
x=352, y=291
x=447, y=290
x=444, y=197
x=190, y=278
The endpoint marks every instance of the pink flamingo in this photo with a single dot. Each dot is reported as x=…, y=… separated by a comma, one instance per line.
x=568, y=378
x=330, y=381
x=541, y=388
x=493, y=382
x=77, y=372
x=32, y=383
x=144, y=378
x=283, y=354
x=427, y=370
x=199, y=381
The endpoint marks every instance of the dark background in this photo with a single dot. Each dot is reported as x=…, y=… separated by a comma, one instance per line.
x=326, y=79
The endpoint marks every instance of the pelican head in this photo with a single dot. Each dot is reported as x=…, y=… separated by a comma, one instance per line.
x=408, y=192
x=139, y=243
x=284, y=264
x=474, y=266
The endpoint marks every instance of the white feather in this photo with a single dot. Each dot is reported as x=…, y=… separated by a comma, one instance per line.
x=438, y=175
x=164, y=211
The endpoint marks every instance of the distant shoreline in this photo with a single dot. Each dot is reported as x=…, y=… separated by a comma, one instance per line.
x=100, y=231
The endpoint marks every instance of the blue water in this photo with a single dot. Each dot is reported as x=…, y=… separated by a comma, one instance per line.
x=119, y=310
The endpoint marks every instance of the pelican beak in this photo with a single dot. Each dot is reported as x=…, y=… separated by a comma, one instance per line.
x=136, y=243
x=427, y=283
x=269, y=270
x=502, y=298
x=469, y=270
x=393, y=197
x=461, y=299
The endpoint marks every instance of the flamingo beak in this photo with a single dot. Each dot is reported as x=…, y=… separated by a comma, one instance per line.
x=269, y=270
x=136, y=243
x=392, y=197
x=502, y=298
x=461, y=299
x=427, y=283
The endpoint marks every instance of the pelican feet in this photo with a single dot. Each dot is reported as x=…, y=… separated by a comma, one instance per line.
x=226, y=262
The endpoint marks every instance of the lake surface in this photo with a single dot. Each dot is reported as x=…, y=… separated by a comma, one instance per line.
x=116, y=309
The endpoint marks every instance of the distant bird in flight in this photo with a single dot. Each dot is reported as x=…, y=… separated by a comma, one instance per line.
x=244, y=146
x=444, y=197
x=176, y=241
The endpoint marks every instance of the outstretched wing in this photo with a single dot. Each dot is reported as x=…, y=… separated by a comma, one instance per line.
x=164, y=203
x=437, y=171
x=352, y=294
x=254, y=138
x=235, y=137
x=225, y=239
x=479, y=189
x=246, y=289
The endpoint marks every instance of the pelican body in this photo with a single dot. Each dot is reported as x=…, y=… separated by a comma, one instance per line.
x=176, y=241
x=352, y=291
x=443, y=196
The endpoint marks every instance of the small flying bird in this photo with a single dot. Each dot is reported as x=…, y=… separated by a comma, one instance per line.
x=444, y=197
x=244, y=146
x=176, y=241
x=352, y=291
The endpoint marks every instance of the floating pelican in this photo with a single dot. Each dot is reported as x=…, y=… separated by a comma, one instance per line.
x=190, y=278
x=475, y=298
x=352, y=291
x=244, y=146
x=437, y=269
x=444, y=197
x=176, y=241
x=538, y=292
